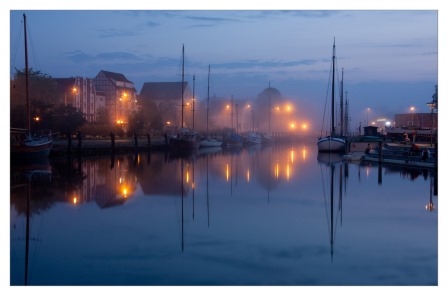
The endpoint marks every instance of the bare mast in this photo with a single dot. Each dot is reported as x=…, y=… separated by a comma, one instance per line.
x=332, y=92
x=182, y=123
x=28, y=123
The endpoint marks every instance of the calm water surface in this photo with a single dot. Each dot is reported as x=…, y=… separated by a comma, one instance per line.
x=278, y=215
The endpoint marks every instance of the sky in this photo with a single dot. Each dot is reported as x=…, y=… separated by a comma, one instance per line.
x=389, y=56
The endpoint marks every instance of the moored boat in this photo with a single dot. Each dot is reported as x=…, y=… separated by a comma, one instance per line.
x=26, y=144
x=332, y=143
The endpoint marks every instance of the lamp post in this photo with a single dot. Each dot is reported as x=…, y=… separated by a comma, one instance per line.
x=289, y=111
x=74, y=90
x=253, y=118
x=412, y=108
x=368, y=111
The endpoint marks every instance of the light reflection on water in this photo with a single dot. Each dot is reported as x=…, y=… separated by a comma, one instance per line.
x=259, y=216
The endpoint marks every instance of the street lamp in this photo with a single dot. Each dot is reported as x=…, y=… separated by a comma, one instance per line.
x=412, y=109
x=368, y=111
x=253, y=118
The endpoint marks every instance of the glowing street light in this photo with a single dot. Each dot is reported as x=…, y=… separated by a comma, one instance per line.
x=412, y=109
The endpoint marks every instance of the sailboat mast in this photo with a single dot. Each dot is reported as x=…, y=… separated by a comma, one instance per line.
x=231, y=114
x=28, y=122
x=194, y=79
x=269, y=127
x=332, y=92
x=182, y=124
x=342, y=103
x=346, y=114
x=208, y=94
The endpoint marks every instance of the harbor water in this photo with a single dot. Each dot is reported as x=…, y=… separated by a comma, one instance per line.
x=280, y=215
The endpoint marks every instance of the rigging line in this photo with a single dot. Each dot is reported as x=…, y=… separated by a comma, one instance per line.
x=326, y=101
x=17, y=47
x=33, y=50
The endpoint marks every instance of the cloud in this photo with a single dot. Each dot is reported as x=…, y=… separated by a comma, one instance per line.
x=265, y=64
x=80, y=57
x=108, y=33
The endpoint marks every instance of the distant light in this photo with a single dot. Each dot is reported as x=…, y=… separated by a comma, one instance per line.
x=75, y=200
x=387, y=122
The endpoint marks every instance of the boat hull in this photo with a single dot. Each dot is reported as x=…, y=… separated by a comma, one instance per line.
x=210, y=143
x=331, y=144
x=183, y=144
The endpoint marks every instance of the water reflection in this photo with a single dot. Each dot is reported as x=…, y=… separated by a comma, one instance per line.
x=271, y=215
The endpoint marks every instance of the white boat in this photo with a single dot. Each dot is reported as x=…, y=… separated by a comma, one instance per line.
x=267, y=138
x=253, y=139
x=332, y=143
x=27, y=144
x=209, y=142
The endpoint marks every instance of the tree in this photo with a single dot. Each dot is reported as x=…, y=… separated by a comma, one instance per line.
x=136, y=122
x=435, y=99
x=66, y=119
x=41, y=87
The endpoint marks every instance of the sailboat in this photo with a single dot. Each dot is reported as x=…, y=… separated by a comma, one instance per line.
x=208, y=142
x=26, y=144
x=185, y=139
x=332, y=143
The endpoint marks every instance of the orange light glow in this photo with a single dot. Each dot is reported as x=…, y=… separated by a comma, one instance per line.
x=292, y=156
x=248, y=175
x=304, y=153
x=125, y=192
x=287, y=172
x=276, y=170
x=304, y=126
x=75, y=200
x=227, y=172
x=187, y=178
x=228, y=106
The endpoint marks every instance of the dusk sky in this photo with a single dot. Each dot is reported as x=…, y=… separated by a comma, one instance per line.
x=390, y=57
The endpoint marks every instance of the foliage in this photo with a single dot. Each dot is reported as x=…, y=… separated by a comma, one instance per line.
x=435, y=99
x=136, y=122
x=152, y=119
x=41, y=87
x=66, y=119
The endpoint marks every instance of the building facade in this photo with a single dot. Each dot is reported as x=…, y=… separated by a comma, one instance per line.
x=167, y=97
x=80, y=93
x=420, y=120
x=119, y=96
